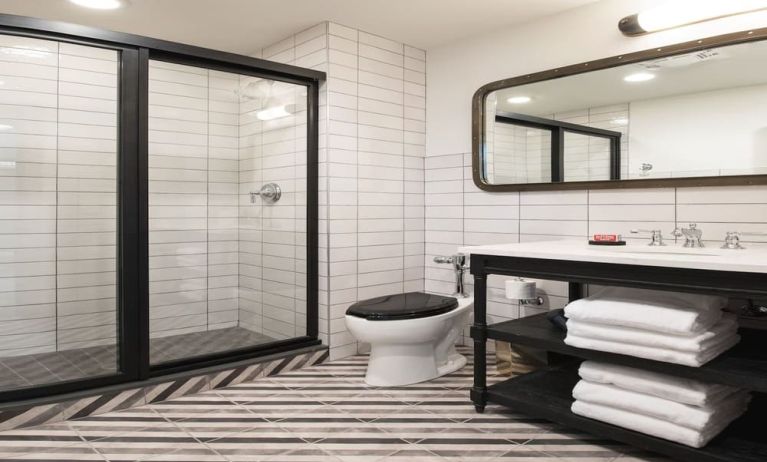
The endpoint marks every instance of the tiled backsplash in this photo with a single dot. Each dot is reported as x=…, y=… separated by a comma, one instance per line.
x=58, y=154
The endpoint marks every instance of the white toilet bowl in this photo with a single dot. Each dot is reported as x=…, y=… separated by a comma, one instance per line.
x=405, y=351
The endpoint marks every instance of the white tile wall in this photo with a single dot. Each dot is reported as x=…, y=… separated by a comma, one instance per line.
x=372, y=146
x=179, y=160
x=58, y=132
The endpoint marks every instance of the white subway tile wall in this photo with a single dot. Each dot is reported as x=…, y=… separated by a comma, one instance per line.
x=58, y=203
x=372, y=147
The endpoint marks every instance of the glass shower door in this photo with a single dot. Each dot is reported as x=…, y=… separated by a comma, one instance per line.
x=227, y=264
x=58, y=212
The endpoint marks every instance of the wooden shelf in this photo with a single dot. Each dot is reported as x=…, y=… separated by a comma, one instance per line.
x=547, y=394
x=743, y=366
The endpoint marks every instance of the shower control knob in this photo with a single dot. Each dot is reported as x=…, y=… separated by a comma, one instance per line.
x=269, y=193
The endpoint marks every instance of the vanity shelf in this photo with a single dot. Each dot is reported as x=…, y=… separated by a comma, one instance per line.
x=547, y=394
x=744, y=366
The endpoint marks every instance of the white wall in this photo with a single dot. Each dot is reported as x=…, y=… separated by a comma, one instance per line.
x=458, y=213
x=700, y=133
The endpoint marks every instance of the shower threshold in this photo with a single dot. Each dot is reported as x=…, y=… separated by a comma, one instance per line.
x=46, y=368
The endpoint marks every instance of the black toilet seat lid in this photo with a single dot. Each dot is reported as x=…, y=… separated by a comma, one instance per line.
x=411, y=305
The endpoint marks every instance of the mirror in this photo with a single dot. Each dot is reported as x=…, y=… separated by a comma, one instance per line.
x=688, y=115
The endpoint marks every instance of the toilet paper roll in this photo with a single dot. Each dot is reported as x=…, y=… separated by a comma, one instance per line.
x=520, y=290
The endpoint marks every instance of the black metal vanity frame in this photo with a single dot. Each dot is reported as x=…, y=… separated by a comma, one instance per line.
x=547, y=393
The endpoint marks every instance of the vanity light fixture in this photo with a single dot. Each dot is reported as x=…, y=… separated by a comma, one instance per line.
x=100, y=4
x=678, y=13
x=518, y=100
x=639, y=77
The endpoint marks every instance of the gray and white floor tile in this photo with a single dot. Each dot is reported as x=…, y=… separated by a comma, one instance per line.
x=321, y=413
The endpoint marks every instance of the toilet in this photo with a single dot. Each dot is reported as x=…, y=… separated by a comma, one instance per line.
x=412, y=336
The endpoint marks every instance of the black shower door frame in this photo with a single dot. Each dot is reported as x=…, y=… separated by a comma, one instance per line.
x=133, y=198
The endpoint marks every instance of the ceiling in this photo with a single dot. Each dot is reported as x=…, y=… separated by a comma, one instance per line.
x=245, y=26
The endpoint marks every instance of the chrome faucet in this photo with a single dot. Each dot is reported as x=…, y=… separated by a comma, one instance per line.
x=656, y=236
x=692, y=235
x=459, y=266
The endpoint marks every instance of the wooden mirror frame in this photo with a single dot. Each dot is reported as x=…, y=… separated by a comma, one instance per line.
x=478, y=119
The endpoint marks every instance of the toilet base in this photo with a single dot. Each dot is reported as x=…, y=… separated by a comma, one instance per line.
x=454, y=362
x=397, y=365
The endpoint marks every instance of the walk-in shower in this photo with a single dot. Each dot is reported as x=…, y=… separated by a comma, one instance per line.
x=157, y=207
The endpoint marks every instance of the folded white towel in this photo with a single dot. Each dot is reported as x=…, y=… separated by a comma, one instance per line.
x=686, y=358
x=666, y=386
x=726, y=327
x=685, y=415
x=660, y=311
x=655, y=427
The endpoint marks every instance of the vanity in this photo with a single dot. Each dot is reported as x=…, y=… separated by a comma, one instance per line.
x=547, y=393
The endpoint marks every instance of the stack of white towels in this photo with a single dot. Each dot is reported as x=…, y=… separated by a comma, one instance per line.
x=681, y=410
x=680, y=328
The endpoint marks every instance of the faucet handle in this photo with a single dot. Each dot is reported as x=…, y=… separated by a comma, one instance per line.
x=732, y=239
x=656, y=236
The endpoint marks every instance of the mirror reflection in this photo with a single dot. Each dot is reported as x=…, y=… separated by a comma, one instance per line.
x=701, y=114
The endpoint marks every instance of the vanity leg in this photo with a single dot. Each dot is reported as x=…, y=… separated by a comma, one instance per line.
x=479, y=334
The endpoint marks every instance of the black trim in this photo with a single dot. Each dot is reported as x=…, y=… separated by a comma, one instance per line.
x=129, y=228
x=558, y=129
x=133, y=204
x=76, y=32
x=312, y=210
x=142, y=333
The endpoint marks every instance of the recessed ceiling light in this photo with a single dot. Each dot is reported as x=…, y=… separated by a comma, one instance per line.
x=518, y=100
x=100, y=4
x=639, y=77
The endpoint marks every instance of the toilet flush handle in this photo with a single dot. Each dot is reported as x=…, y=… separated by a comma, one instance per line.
x=459, y=267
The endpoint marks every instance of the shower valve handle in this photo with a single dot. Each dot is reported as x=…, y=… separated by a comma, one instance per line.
x=269, y=193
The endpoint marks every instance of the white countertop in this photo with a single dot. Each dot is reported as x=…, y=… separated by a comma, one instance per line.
x=749, y=260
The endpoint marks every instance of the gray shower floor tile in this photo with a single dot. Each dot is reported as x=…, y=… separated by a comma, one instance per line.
x=46, y=368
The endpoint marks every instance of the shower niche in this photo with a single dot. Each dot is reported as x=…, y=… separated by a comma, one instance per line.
x=158, y=208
